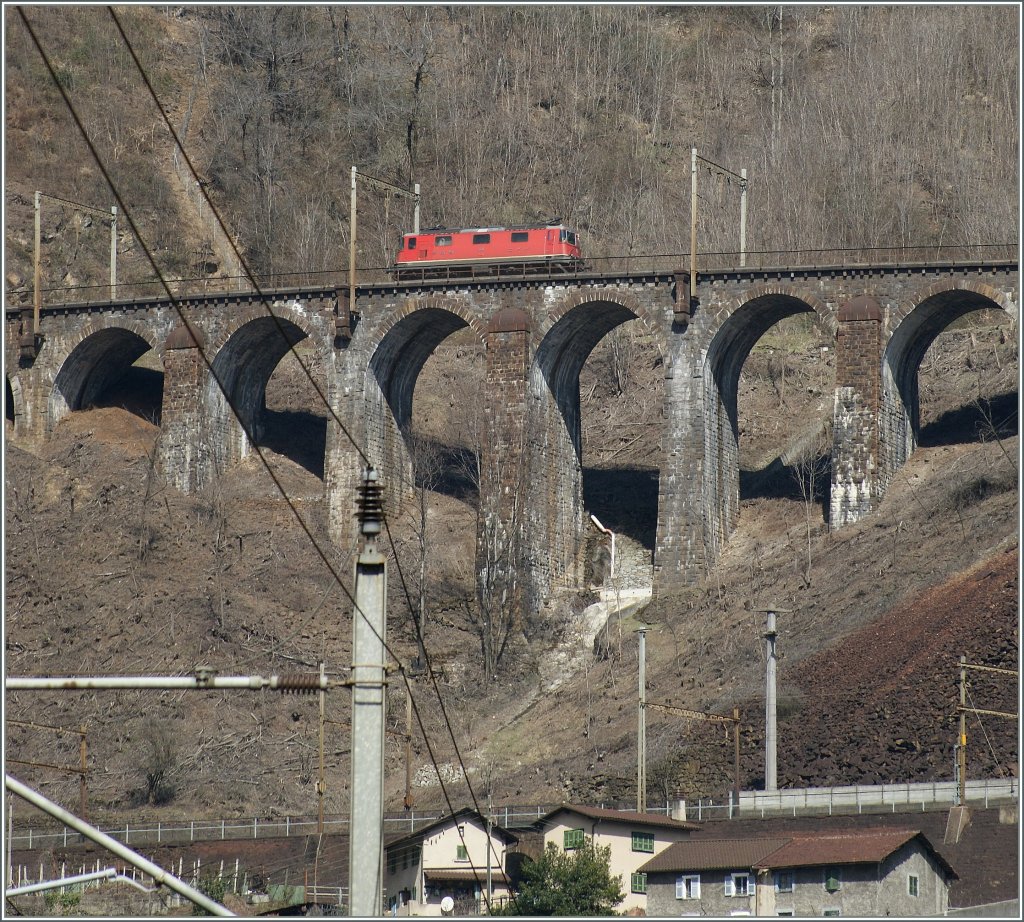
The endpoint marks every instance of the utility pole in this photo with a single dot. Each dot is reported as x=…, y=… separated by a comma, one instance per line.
x=704, y=715
x=770, y=743
x=366, y=827
x=37, y=272
x=962, y=750
x=113, y=252
x=344, y=324
x=729, y=176
x=490, y=889
x=736, y=755
x=408, y=743
x=641, y=741
x=10, y=839
x=320, y=786
x=82, y=784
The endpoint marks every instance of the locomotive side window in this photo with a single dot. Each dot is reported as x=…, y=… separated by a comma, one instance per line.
x=520, y=236
x=444, y=241
x=412, y=243
x=481, y=238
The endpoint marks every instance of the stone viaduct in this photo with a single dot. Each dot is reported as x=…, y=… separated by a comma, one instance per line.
x=536, y=333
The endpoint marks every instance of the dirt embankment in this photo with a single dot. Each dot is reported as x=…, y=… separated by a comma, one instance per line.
x=109, y=571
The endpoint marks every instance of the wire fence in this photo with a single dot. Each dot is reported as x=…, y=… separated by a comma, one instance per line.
x=592, y=267
x=843, y=799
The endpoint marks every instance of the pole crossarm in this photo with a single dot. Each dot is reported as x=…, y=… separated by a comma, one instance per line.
x=991, y=669
x=696, y=715
x=35, y=726
x=722, y=171
x=297, y=683
x=968, y=710
x=64, y=201
x=386, y=186
x=61, y=768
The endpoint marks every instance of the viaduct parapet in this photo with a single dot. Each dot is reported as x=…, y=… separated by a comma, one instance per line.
x=219, y=351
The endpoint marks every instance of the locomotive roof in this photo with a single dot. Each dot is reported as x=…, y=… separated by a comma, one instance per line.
x=486, y=230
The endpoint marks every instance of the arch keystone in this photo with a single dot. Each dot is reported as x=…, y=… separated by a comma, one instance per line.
x=510, y=320
x=863, y=307
x=184, y=336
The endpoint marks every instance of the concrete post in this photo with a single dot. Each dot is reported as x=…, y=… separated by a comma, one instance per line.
x=366, y=857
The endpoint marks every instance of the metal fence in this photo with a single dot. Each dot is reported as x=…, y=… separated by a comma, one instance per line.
x=657, y=263
x=184, y=832
x=857, y=798
x=899, y=797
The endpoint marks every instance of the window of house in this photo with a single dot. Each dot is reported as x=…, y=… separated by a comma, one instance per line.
x=643, y=841
x=520, y=236
x=638, y=883
x=783, y=881
x=461, y=854
x=688, y=887
x=913, y=885
x=784, y=912
x=481, y=238
x=573, y=838
x=738, y=884
x=831, y=912
x=833, y=880
x=443, y=241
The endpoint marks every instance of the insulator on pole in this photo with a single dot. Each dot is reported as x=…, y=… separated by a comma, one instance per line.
x=370, y=503
x=299, y=683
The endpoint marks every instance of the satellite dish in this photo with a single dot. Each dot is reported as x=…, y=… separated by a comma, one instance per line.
x=447, y=905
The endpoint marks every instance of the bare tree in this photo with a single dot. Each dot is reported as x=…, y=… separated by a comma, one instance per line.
x=811, y=471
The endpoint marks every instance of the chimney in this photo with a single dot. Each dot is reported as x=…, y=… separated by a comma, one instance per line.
x=678, y=811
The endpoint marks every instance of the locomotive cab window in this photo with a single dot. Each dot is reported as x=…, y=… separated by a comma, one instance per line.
x=444, y=241
x=412, y=243
x=567, y=237
x=520, y=236
x=481, y=238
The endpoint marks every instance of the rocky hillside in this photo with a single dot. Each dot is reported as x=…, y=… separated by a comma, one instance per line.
x=505, y=115
x=162, y=582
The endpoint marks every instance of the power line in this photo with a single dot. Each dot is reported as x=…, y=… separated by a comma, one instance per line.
x=228, y=399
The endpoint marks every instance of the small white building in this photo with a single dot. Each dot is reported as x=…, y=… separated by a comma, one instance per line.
x=447, y=860
x=633, y=839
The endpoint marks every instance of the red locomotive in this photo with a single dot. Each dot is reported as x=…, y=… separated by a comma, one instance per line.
x=443, y=252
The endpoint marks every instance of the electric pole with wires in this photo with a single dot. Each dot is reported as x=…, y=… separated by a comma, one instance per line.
x=368, y=680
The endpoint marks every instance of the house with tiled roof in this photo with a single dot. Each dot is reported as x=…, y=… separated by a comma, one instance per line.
x=448, y=860
x=850, y=872
x=632, y=839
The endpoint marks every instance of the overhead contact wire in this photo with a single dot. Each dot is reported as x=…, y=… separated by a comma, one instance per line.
x=231, y=404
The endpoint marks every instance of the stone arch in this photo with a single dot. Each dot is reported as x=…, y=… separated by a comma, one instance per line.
x=569, y=333
x=401, y=345
x=93, y=359
x=914, y=325
x=737, y=330
x=14, y=407
x=243, y=357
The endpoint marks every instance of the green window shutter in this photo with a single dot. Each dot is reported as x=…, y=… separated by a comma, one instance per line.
x=460, y=853
x=638, y=883
x=643, y=842
x=573, y=838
